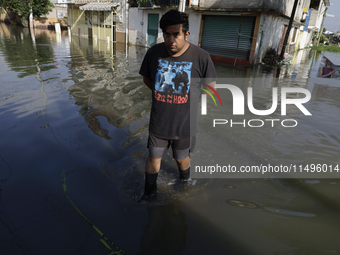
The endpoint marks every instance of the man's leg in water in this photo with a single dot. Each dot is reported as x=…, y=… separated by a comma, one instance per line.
x=152, y=168
x=153, y=165
x=157, y=148
x=181, y=150
x=184, y=168
x=183, y=164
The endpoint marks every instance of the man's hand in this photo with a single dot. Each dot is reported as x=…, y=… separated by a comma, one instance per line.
x=212, y=84
x=147, y=81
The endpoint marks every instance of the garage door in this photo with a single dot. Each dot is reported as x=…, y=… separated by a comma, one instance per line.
x=228, y=36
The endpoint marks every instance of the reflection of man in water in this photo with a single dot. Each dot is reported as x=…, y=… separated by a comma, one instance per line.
x=327, y=71
x=182, y=80
x=166, y=231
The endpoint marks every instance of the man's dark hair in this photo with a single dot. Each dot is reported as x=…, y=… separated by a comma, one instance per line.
x=174, y=17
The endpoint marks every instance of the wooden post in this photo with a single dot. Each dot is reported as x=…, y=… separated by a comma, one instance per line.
x=321, y=29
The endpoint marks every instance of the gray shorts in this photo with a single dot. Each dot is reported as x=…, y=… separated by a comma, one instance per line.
x=180, y=148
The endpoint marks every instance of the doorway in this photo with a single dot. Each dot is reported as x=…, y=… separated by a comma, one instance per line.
x=152, y=29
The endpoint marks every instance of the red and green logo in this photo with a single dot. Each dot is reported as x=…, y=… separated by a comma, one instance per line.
x=205, y=89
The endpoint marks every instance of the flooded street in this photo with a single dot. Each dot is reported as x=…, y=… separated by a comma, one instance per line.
x=73, y=133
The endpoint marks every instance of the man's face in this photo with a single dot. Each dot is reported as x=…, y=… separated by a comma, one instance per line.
x=175, y=39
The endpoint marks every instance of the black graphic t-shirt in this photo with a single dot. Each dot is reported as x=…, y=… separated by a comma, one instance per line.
x=173, y=93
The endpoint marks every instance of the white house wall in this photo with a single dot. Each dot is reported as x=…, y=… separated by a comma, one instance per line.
x=299, y=9
x=56, y=11
x=138, y=26
x=319, y=18
x=136, y=36
x=272, y=27
x=78, y=24
x=122, y=14
x=304, y=38
x=194, y=27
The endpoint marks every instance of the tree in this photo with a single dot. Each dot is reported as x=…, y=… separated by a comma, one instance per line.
x=21, y=55
x=22, y=7
x=323, y=37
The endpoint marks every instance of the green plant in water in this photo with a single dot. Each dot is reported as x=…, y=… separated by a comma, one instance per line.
x=106, y=241
x=331, y=48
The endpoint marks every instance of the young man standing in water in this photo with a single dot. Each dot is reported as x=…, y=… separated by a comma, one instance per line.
x=173, y=93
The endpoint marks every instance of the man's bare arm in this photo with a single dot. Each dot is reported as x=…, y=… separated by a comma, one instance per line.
x=147, y=81
x=211, y=84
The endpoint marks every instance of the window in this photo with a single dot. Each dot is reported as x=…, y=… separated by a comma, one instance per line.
x=101, y=17
x=294, y=33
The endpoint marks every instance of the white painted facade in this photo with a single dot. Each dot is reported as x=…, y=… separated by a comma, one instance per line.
x=98, y=21
x=321, y=11
x=270, y=34
x=122, y=16
x=138, y=26
x=194, y=27
x=314, y=24
x=305, y=39
x=270, y=30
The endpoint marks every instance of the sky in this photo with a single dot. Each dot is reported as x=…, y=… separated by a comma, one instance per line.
x=333, y=23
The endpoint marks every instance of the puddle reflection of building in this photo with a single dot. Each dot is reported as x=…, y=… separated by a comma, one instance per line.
x=125, y=105
x=103, y=89
x=165, y=232
x=113, y=117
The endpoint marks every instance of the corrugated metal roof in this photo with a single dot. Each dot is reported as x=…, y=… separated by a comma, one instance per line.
x=334, y=59
x=98, y=6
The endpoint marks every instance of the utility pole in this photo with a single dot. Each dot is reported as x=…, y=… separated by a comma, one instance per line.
x=288, y=30
x=321, y=29
x=181, y=6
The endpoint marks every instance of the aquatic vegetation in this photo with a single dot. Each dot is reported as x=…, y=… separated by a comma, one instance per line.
x=106, y=241
x=331, y=48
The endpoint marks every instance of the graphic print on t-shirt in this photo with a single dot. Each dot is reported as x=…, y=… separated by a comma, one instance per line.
x=173, y=77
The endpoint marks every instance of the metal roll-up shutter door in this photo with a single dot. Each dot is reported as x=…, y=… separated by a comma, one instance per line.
x=221, y=36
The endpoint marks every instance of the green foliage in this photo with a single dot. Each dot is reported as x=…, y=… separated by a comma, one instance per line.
x=323, y=37
x=315, y=37
x=331, y=48
x=22, y=7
